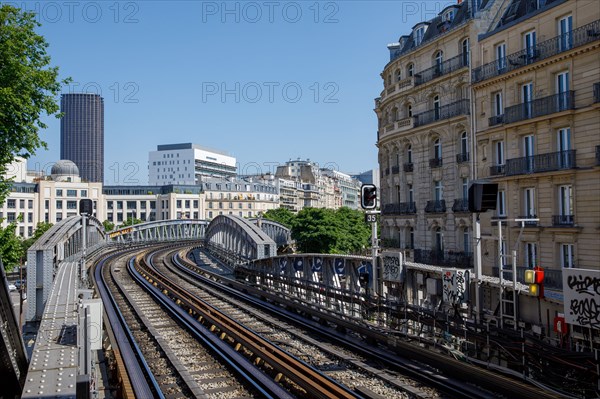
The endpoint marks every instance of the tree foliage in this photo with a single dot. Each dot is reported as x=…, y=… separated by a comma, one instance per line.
x=320, y=230
x=10, y=246
x=108, y=225
x=131, y=221
x=280, y=215
x=28, y=88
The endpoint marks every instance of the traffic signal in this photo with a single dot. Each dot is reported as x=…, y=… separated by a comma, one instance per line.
x=86, y=206
x=368, y=196
x=482, y=197
x=535, y=278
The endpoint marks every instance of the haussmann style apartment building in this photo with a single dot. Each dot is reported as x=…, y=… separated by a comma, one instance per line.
x=508, y=92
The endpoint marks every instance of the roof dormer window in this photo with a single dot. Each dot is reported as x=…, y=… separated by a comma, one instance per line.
x=449, y=16
x=418, y=35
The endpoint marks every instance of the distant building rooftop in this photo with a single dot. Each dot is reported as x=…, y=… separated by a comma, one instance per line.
x=188, y=146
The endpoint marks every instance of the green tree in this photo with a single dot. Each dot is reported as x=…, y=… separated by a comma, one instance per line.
x=108, y=226
x=40, y=229
x=321, y=230
x=131, y=221
x=28, y=88
x=280, y=215
x=10, y=247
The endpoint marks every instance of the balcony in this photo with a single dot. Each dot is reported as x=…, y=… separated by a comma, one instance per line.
x=395, y=170
x=598, y=155
x=460, y=260
x=532, y=223
x=497, y=170
x=409, y=167
x=552, y=277
x=540, y=107
x=435, y=163
x=578, y=37
x=402, y=208
x=387, y=171
x=596, y=92
x=496, y=120
x=462, y=157
x=445, y=112
x=446, y=67
x=461, y=205
x=435, y=206
x=549, y=162
x=397, y=126
x=563, y=220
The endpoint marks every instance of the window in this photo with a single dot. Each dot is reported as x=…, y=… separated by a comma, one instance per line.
x=11, y=217
x=410, y=70
x=419, y=33
x=501, y=57
x=30, y=217
x=30, y=204
x=109, y=205
x=131, y=205
x=439, y=62
x=437, y=149
x=398, y=75
x=22, y=204
x=499, y=152
x=71, y=193
x=143, y=205
x=565, y=200
x=526, y=99
x=530, y=255
x=84, y=193
x=410, y=193
x=436, y=107
x=465, y=187
x=119, y=204
x=59, y=192
x=59, y=204
x=529, y=202
x=178, y=203
x=11, y=204
x=119, y=217
x=187, y=204
x=411, y=238
x=465, y=52
x=409, y=112
x=47, y=206
x=152, y=204
x=466, y=240
x=438, y=190
x=566, y=255
x=195, y=203
x=501, y=204
x=58, y=217
x=528, y=151
x=497, y=104
x=562, y=90
x=438, y=240
x=449, y=16
x=464, y=143
x=529, y=43
x=565, y=33
x=210, y=214
x=409, y=154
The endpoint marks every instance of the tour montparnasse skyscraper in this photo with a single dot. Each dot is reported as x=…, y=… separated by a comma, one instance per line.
x=82, y=134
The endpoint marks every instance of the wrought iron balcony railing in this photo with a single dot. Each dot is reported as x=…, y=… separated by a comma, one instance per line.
x=444, y=258
x=598, y=155
x=531, y=223
x=462, y=157
x=540, y=107
x=460, y=205
x=409, y=167
x=561, y=43
x=435, y=206
x=457, y=108
x=563, y=220
x=497, y=170
x=597, y=92
x=541, y=163
x=402, y=208
x=387, y=171
x=395, y=170
x=435, y=163
x=496, y=120
x=444, y=68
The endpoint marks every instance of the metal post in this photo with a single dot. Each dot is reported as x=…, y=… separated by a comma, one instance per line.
x=84, y=244
x=501, y=273
x=477, y=246
x=374, y=248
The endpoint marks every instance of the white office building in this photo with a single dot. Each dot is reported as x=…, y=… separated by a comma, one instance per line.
x=188, y=164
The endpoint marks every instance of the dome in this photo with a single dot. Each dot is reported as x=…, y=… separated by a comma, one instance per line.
x=64, y=167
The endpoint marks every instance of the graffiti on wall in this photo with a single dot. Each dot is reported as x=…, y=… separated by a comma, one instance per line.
x=582, y=297
x=455, y=285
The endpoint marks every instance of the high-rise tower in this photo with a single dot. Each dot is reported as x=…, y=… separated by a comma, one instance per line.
x=82, y=134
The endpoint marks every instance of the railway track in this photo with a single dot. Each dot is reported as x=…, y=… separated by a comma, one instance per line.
x=457, y=386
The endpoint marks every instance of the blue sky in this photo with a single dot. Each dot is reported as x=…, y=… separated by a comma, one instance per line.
x=266, y=81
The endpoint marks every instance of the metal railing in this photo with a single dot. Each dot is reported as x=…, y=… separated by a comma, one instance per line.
x=563, y=220
x=402, y=208
x=541, y=163
x=460, y=107
x=561, y=43
x=444, y=258
x=435, y=163
x=496, y=120
x=435, y=206
x=531, y=223
x=395, y=170
x=444, y=68
x=598, y=155
x=387, y=171
x=460, y=205
x=596, y=92
x=409, y=167
x=497, y=170
x=462, y=157
x=552, y=277
x=540, y=107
